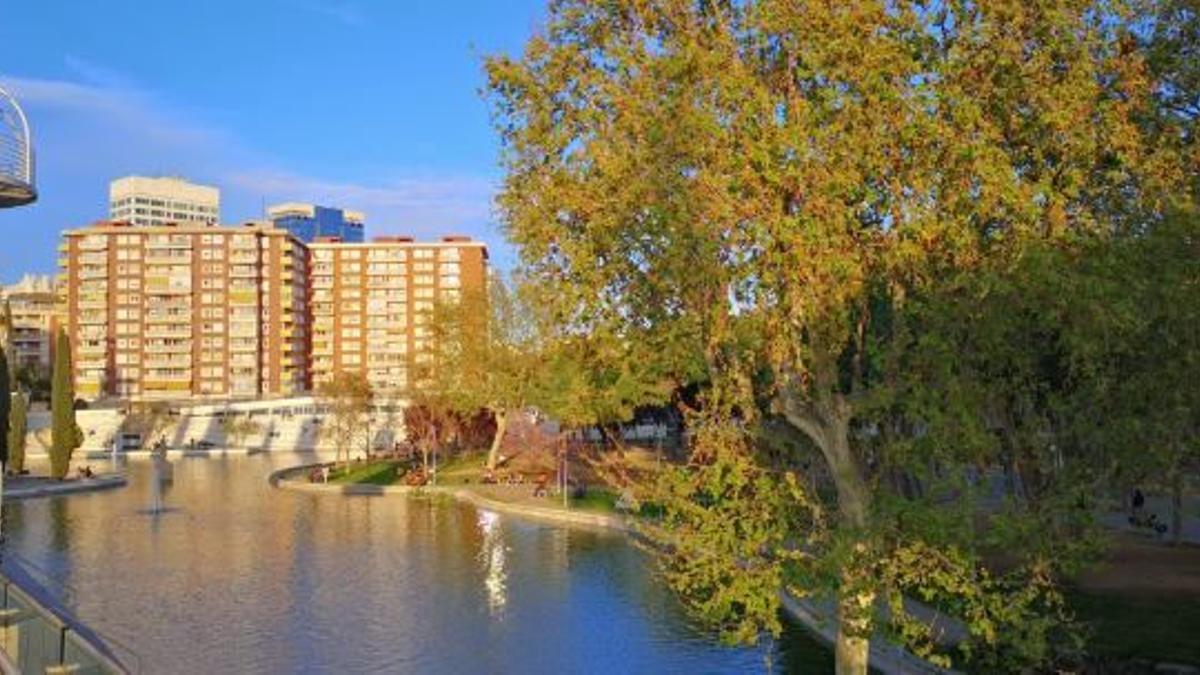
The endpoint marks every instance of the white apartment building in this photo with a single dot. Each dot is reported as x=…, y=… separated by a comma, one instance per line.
x=144, y=201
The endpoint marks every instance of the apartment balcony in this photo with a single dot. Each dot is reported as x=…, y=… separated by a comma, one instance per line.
x=169, y=349
x=171, y=293
x=243, y=298
x=182, y=242
x=180, y=386
x=168, y=258
x=168, y=332
x=160, y=362
x=99, y=245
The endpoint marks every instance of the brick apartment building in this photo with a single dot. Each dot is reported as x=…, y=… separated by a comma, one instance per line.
x=193, y=311
x=371, y=302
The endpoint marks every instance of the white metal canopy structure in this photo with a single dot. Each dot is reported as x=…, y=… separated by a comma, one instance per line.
x=16, y=155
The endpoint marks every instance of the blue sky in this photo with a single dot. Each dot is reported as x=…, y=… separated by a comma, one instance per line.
x=370, y=105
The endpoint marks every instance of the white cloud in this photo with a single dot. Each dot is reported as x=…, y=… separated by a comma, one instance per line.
x=422, y=205
x=90, y=132
x=118, y=113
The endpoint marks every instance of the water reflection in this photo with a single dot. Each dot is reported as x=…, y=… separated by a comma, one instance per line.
x=239, y=577
x=491, y=557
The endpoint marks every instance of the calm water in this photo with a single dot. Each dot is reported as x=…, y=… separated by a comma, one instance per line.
x=239, y=577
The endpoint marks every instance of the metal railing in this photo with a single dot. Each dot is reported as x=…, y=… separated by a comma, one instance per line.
x=37, y=637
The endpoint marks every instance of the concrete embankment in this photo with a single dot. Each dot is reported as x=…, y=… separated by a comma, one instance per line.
x=295, y=479
x=25, y=489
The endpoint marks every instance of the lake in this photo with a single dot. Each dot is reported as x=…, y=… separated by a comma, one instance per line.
x=237, y=576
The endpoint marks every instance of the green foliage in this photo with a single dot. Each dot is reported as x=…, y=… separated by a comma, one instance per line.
x=5, y=406
x=34, y=380
x=893, y=228
x=488, y=353
x=733, y=532
x=148, y=420
x=348, y=397
x=64, y=432
x=1171, y=40
x=585, y=382
x=18, y=426
x=1018, y=617
x=237, y=429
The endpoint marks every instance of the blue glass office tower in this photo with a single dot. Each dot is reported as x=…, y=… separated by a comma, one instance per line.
x=307, y=222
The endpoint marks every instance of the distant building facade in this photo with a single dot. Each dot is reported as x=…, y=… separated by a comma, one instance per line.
x=309, y=222
x=147, y=202
x=168, y=312
x=33, y=302
x=190, y=311
x=372, y=302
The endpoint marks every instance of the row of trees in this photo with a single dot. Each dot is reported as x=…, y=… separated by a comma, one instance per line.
x=505, y=354
x=897, y=246
x=493, y=356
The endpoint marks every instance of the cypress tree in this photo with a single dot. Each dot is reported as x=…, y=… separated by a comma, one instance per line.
x=5, y=405
x=17, y=428
x=64, y=433
x=6, y=325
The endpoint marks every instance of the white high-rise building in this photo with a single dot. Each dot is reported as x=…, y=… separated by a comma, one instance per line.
x=157, y=201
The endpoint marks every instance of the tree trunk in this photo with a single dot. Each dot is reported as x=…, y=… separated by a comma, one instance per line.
x=497, y=439
x=851, y=654
x=828, y=425
x=855, y=606
x=1176, y=506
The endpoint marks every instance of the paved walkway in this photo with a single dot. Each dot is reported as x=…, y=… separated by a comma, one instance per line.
x=1160, y=506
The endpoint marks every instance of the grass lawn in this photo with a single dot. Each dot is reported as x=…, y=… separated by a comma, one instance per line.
x=604, y=500
x=599, y=500
x=461, y=469
x=1156, y=627
x=371, y=473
